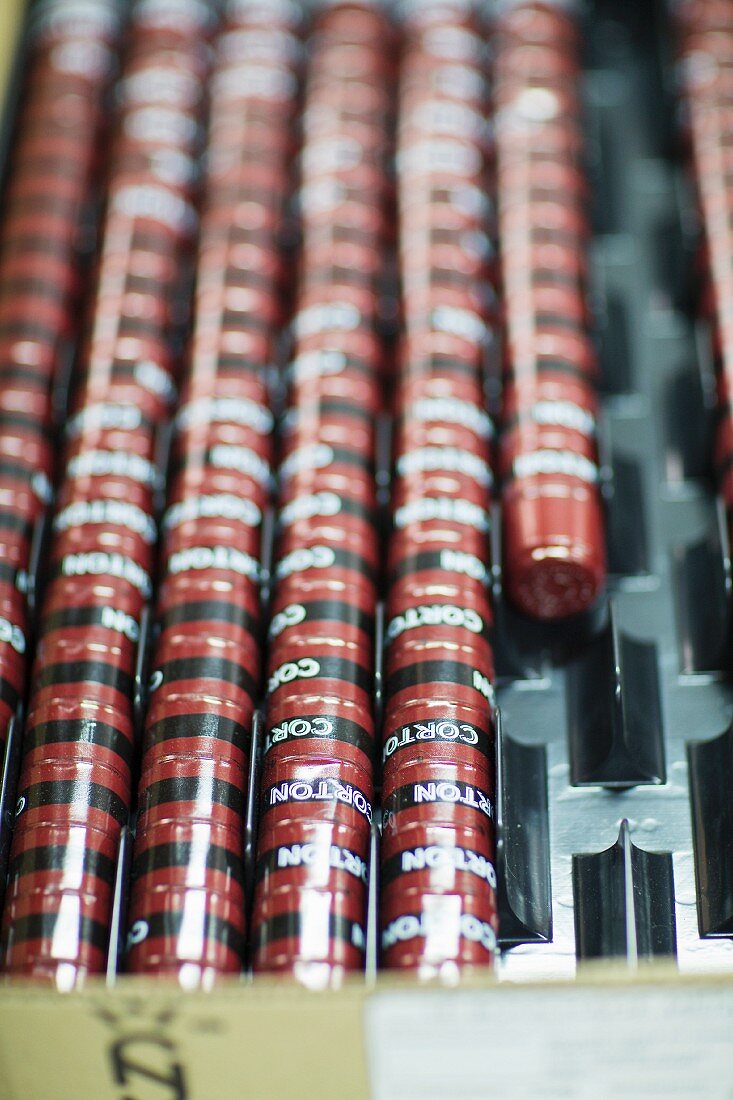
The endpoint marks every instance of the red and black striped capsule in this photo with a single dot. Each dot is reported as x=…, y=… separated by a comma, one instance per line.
x=314, y=935
x=438, y=935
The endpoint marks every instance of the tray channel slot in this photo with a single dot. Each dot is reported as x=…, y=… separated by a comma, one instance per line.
x=702, y=586
x=614, y=712
x=624, y=903
x=523, y=842
x=711, y=779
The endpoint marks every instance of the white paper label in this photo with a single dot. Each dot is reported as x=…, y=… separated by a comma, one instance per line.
x=578, y=1043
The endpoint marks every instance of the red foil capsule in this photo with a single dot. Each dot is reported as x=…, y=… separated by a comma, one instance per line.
x=327, y=736
x=553, y=526
x=437, y=859
x=188, y=789
x=420, y=791
x=553, y=531
x=51, y=859
x=57, y=936
x=72, y=793
x=438, y=935
x=314, y=855
x=317, y=790
x=192, y=934
x=315, y=935
x=443, y=733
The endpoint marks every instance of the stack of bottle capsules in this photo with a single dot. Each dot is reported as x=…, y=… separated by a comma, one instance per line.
x=75, y=785
x=552, y=512
x=46, y=207
x=458, y=144
x=187, y=911
x=705, y=42
x=437, y=885
x=317, y=787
